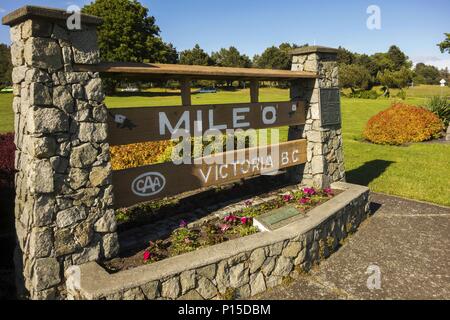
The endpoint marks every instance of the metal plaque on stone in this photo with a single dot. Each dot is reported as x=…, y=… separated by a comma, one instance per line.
x=330, y=110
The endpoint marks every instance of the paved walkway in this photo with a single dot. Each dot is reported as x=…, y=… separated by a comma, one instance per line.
x=410, y=243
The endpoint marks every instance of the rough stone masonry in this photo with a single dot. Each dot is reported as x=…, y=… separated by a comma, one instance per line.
x=64, y=199
x=325, y=156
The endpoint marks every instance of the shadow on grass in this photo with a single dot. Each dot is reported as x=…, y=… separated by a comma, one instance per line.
x=368, y=172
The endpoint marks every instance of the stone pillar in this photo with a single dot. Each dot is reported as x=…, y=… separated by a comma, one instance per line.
x=325, y=161
x=64, y=199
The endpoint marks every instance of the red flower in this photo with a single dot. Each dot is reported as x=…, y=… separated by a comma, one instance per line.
x=309, y=191
x=230, y=218
x=245, y=220
x=147, y=255
x=287, y=197
x=304, y=200
x=328, y=191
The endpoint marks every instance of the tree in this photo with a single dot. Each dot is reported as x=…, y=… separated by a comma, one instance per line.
x=196, y=56
x=231, y=58
x=426, y=74
x=445, y=74
x=354, y=76
x=398, y=58
x=275, y=57
x=128, y=33
x=445, y=45
x=395, y=79
x=5, y=66
x=167, y=54
x=345, y=56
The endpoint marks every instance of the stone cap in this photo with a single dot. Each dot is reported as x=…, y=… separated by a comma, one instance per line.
x=30, y=12
x=313, y=49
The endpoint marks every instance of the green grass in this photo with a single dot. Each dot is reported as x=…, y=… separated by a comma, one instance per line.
x=6, y=113
x=418, y=171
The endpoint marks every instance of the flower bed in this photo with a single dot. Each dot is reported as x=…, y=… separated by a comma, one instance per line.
x=238, y=268
x=187, y=238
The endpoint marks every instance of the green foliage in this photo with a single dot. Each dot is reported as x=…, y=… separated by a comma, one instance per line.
x=231, y=58
x=395, y=79
x=425, y=74
x=5, y=66
x=345, y=56
x=128, y=33
x=121, y=216
x=361, y=71
x=401, y=94
x=196, y=56
x=275, y=57
x=398, y=58
x=354, y=76
x=364, y=94
x=245, y=230
x=183, y=240
x=445, y=45
x=440, y=106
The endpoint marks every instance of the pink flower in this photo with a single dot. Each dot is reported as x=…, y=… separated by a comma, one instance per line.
x=147, y=255
x=309, y=191
x=328, y=191
x=248, y=202
x=304, y=200
x=287, y=197
x=224, y=227
x=187, y=240
x=183, y=224
x=245, y=220
x=230, y=218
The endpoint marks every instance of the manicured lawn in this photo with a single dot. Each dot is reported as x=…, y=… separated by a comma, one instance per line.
x=418, y=171
x=6, y=113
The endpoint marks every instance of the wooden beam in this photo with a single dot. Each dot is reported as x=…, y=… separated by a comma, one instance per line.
x=185, y=92
x=178, y=71
x=254, y=91
x=151, y=123
x=141, y=184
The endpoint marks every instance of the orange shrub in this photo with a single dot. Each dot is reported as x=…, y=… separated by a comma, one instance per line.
x=401, y=124
x=140, y=154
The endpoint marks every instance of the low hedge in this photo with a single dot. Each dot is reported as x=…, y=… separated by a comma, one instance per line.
x=140, y=154
x=401, y=123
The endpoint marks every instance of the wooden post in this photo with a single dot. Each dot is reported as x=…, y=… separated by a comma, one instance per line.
x=186, y=92
x=254, y=91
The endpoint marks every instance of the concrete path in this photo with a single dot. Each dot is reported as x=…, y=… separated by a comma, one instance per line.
x=410, y=243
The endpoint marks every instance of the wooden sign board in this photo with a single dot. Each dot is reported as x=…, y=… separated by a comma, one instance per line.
x=135, y=185
x=132, y=125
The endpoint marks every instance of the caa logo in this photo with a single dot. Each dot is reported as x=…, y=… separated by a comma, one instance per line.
x=148, y=184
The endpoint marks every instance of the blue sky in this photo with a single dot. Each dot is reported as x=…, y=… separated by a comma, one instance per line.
x=252, y=25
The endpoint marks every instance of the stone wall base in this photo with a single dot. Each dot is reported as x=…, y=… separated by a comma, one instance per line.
x=238, y=268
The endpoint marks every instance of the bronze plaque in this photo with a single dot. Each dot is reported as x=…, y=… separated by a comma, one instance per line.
x=330, y=107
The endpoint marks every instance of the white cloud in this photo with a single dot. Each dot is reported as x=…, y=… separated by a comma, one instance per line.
x=439, y=63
